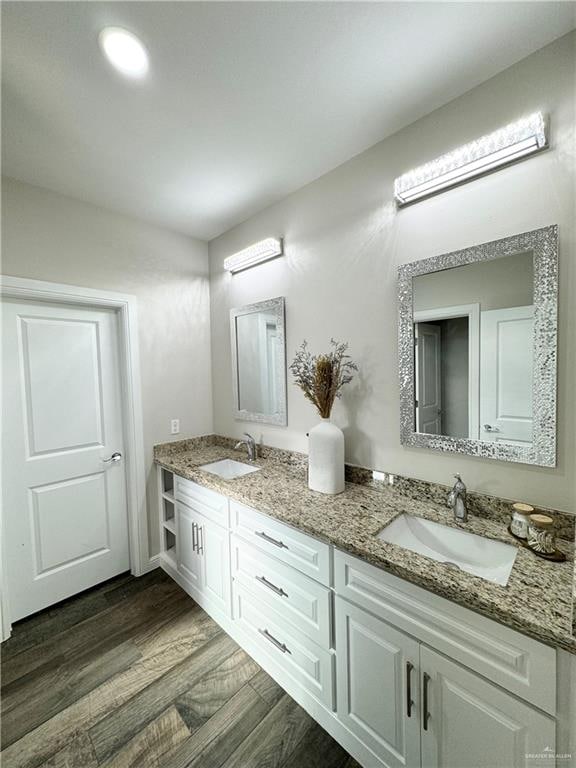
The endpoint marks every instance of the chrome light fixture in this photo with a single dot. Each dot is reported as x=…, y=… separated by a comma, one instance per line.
x=513, y=141
x=254, y=254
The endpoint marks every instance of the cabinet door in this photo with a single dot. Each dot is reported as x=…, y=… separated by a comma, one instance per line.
x=472, y=723
x=189, y=561
x=214, y=545
x=377, y=666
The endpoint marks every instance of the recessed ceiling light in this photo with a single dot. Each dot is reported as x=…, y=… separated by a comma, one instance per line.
x=124, y=51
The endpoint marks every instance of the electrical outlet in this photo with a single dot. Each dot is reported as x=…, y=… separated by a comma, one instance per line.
x=175, y=426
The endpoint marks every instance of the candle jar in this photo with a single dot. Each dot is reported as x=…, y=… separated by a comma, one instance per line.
x=519, y=522
x=541, y=536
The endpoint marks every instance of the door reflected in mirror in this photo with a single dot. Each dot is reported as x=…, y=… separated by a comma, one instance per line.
x=259, y=362
x=473, y=350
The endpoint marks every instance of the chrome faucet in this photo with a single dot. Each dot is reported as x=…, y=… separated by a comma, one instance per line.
x=457, y=500
x=250, y=444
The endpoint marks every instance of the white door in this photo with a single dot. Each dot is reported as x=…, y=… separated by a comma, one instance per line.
x=471, y=723
x=65, y=516
x=506, y=352
x=428, y=379
x=378, y=697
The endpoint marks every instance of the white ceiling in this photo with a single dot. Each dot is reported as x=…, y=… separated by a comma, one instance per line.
x=245, y=102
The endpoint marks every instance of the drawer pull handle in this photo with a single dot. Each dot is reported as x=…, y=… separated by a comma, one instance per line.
x=409, y=701
x=278, y=590
x=275, y=643
x=270, y=540
x=194, y=542
x=200, y=529
x=425, y=712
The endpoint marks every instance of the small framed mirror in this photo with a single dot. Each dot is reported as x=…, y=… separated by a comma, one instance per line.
x=258, y=342
x=478, y=349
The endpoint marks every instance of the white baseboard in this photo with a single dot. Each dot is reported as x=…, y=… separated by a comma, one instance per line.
x=151, y=565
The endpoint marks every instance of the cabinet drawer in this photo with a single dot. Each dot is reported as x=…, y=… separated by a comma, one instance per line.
x=302, y=552
x=210, y=503
x=517, y=662
x=303, y=602
x=295, y=654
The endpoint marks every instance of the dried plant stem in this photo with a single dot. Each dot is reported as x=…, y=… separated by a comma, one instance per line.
x=321, y=377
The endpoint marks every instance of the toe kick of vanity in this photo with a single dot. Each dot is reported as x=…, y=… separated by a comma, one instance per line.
x=382, y=664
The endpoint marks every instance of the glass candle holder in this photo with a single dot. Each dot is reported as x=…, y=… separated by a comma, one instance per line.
x=541, y=537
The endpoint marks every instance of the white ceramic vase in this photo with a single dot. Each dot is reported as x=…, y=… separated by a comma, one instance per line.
x=326, y=458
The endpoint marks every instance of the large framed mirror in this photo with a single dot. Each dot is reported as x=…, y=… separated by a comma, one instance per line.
x=478, y=349
x=258, y=342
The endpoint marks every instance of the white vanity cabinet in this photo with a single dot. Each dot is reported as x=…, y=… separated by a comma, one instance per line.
x=203, y=555
x=201, y=563
x=414, y=707
x=401, y=677
x=458, y=718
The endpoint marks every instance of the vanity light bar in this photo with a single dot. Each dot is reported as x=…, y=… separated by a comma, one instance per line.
x=254, y=254
x=513, y=141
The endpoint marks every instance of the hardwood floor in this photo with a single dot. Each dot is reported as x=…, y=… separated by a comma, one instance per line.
x=134, y=674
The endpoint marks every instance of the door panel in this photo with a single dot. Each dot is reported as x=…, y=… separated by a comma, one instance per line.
x=373, y=660
x=189, y=561
x=215, y=548
x=57, y=423
x=475, y=724
x=428, y=379
x=66, y=523
x=78, y=506
x=506, y=357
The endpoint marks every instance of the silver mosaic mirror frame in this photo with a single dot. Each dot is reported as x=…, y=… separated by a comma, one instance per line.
x=277, y=308
x=543, y=243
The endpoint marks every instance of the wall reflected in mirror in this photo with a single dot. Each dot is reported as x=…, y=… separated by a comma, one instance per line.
x=473, y=350
x=259, y=362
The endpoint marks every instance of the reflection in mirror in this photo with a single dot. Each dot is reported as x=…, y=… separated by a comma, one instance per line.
x=473, y=334
x=478, y=349
x=259, y=362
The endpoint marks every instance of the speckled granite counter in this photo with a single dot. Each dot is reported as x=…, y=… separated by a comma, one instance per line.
x=538, y=599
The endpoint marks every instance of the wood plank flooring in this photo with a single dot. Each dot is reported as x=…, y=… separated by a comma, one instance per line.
x=134, y=674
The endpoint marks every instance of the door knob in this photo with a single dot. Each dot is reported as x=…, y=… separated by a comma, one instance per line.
x=113, y=459
x=490, y=428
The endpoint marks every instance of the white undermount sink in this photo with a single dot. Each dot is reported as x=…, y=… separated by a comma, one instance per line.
x=228, y=469
x=489, y=559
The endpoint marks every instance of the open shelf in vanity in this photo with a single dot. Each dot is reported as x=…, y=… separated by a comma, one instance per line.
x=168, y=515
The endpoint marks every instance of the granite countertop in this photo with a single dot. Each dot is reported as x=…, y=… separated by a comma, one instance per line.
x=536, y=601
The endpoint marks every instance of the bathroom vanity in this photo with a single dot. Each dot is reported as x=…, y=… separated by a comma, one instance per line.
x=359, y=631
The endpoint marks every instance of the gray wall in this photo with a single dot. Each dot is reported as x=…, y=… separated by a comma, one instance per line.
x=506, y=282
x=345, y=239
x=47, y=236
